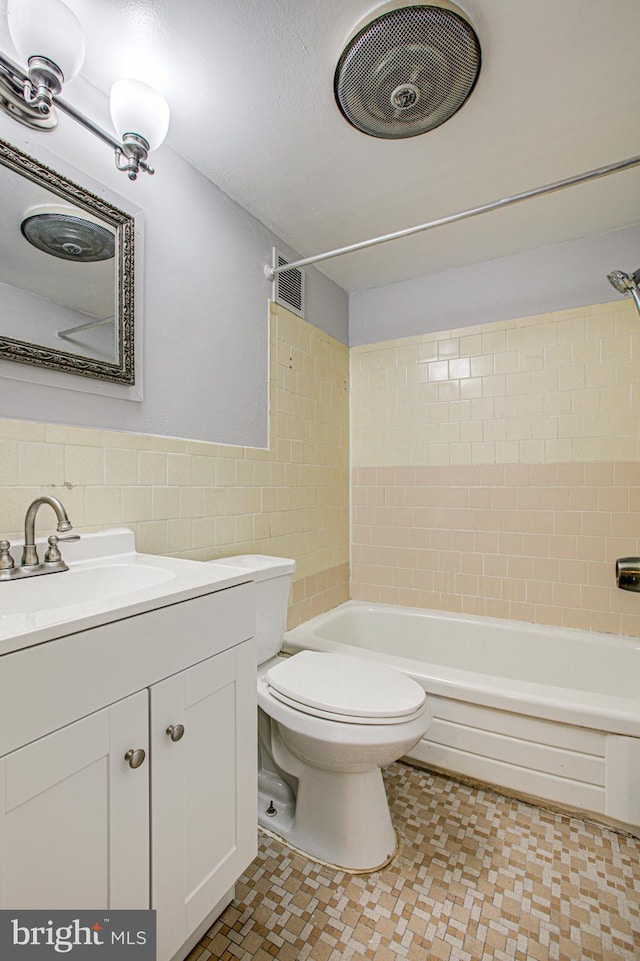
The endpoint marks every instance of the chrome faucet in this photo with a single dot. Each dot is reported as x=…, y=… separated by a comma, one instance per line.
x=30, y=553
x=30, y=565
x=628, y=574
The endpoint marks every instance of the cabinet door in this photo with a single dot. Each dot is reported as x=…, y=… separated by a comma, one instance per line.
x=203, y=795
x=74, y=816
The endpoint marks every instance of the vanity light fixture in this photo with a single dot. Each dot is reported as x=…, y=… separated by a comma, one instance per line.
x=49, y=39
x=135, y=106
x=48, y=36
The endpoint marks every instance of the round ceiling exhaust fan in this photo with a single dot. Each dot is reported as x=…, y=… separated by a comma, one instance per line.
x=408, y=70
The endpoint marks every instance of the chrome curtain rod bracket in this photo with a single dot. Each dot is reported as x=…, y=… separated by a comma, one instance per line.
x=271, y=272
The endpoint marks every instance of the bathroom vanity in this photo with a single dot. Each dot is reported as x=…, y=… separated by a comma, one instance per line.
x=128, y=737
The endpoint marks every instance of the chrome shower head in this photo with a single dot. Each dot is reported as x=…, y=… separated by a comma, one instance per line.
x=620, y=281
x=626, y=284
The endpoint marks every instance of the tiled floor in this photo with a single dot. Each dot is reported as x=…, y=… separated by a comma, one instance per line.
x=478, y=876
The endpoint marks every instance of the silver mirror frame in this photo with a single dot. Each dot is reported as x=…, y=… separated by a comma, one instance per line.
x=123, y=370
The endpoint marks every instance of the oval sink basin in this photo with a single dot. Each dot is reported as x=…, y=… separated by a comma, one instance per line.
x=79, y=586
x=107, y=580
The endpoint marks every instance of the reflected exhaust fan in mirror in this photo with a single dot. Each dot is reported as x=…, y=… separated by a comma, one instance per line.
x=68, y=234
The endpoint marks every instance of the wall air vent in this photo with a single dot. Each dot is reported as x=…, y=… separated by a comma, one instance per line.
x=288, y=287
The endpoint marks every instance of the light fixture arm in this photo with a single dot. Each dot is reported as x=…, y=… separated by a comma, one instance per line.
x=44, y=81
x=132, y=154
x=97, y=131
x=15, y=80
x=11, y=74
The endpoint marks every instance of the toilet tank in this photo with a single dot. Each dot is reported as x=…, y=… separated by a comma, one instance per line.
x=273, y=582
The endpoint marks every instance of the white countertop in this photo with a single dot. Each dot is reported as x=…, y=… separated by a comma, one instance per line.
x=107, y=580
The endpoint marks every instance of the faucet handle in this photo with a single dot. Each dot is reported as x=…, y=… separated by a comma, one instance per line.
x=53, y=555
x=6, y=560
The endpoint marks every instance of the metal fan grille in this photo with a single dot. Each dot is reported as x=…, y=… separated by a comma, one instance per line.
x=407, y=72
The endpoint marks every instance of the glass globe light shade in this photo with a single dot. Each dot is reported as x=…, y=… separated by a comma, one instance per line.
x=139, y=109
x=47, y=28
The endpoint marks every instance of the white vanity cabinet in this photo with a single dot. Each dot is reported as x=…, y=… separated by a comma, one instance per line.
x=82, y=824
x=74, y=822
x=203, y=797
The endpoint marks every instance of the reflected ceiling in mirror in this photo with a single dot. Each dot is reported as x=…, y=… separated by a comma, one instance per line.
x=66, y=274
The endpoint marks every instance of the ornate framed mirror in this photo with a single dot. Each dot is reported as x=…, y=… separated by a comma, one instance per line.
x=67, y=263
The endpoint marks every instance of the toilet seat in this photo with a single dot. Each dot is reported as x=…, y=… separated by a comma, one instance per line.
x=342, y=688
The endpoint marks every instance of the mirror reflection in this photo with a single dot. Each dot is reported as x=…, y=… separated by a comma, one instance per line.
x=66, y=274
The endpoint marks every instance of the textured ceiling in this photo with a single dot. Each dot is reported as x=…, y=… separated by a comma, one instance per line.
x=250, y=84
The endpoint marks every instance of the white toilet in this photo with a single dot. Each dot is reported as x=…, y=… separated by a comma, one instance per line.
x=327, y=724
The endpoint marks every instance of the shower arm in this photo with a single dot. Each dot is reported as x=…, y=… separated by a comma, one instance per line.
x=635, y=293
x=272, y=272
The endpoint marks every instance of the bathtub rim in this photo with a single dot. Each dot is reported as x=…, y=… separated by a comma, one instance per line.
x=600, y=712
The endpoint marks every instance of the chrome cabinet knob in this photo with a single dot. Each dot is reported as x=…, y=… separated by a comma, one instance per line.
x=135, y=758
x=175, y=731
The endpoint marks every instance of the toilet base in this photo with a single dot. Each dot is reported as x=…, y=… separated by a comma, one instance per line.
x=340, y=818
x=265, y=830
x=276, y=809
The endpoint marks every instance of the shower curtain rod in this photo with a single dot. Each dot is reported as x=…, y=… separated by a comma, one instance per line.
x=272, y=272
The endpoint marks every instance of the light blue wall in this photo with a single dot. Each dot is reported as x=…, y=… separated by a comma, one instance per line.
x=204, y=304
x=534, y=282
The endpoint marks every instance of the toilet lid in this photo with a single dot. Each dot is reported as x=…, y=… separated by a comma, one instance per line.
x=345, y=686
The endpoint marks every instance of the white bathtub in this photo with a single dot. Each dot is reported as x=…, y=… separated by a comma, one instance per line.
x=546, y=713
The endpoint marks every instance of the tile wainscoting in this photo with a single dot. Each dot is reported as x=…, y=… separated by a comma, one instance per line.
x=531, y=542
x=200, y=500
x=494, y=470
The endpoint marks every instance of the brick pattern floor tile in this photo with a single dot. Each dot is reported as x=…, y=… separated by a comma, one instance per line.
x=478, y=876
